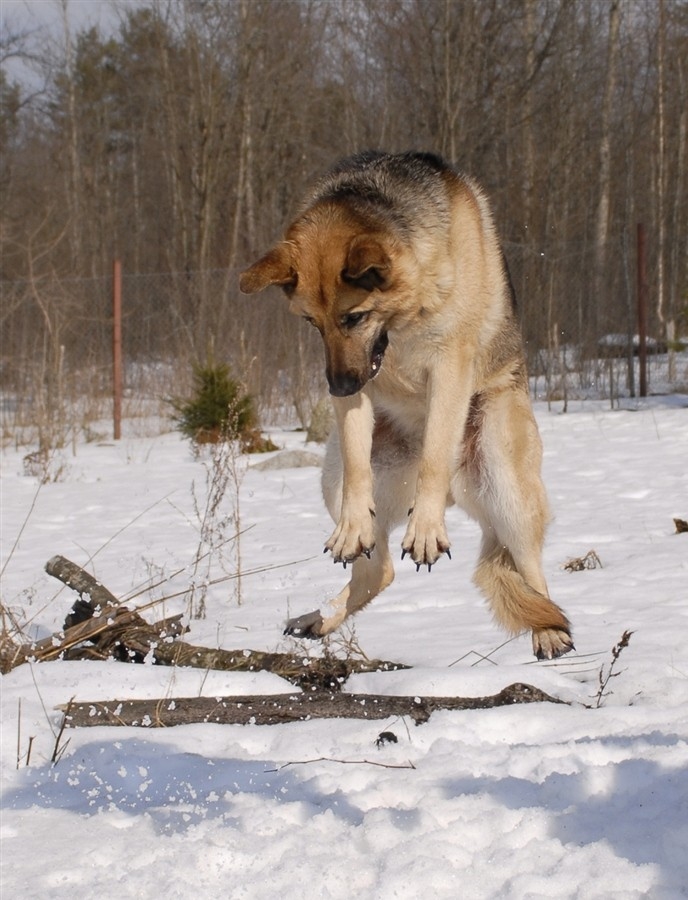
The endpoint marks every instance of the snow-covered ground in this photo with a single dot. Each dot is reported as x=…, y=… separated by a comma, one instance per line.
x=528, y=801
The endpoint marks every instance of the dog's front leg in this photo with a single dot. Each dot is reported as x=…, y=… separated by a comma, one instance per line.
x=449, y=391
x=354, y=534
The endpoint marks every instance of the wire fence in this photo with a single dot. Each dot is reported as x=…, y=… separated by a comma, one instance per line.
x=56, y=349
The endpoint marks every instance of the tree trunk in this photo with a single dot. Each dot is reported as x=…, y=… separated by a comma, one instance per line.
x=604, y=177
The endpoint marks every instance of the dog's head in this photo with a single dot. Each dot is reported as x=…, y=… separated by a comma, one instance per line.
x=340, y=275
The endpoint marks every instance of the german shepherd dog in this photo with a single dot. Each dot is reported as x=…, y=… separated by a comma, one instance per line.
x=396, y=261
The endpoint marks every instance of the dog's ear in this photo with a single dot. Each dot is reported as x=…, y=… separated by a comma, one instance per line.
x=274, y=268
x=368, y=265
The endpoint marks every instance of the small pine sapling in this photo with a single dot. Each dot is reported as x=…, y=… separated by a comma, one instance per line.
x=219, y=411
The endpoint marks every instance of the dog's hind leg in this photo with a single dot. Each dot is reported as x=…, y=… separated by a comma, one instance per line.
x=394, y=480
x=517, y=605
x=368, y=578
x=511, y=506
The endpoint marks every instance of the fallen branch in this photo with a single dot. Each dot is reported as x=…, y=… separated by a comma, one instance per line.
x=322, y=672
x=274, y=709
x=99, y=627
x=80, y=581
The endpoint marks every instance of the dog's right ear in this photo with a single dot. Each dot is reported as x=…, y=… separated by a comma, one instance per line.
x=368, y=265
x=274, y=268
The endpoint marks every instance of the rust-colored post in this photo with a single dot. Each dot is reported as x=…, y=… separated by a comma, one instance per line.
x=642, y=309
x=117, y=349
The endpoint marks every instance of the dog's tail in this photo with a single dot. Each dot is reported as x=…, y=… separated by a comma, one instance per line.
x=519, y=607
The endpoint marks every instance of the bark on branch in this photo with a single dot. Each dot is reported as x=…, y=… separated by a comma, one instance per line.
x=274, y=709
x=80, y=581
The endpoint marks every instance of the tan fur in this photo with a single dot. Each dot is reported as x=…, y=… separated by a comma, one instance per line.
x=396, y=261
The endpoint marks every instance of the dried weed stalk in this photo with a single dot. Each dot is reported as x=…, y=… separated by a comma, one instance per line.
x=220, y=523
x=605, y=675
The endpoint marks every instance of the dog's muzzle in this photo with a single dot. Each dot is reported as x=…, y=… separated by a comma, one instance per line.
x=344, y=384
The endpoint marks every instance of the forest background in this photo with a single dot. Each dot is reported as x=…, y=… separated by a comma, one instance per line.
x=180, y=141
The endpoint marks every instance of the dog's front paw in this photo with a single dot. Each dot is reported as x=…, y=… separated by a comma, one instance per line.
x=354, y=536
x=425, y=540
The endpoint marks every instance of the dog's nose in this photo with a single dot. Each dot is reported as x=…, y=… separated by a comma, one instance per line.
x=344, y=385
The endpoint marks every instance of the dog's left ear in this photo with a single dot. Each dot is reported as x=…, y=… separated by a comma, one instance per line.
x=274, y=268
x=368, y=265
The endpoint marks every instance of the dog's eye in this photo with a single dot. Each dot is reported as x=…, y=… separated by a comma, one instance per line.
x=355, y=318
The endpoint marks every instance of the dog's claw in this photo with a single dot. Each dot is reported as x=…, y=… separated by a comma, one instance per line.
x=405, y=553
x=350, y=559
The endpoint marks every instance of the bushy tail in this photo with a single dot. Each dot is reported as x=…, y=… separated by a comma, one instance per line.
x=515, y=604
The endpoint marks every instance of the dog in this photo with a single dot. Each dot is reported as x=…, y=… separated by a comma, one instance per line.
x=395, y=259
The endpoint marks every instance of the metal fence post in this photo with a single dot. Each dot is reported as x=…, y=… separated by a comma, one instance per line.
x=642, y=309
x=117, y=349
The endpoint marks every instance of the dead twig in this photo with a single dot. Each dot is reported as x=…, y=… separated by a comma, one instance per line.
x=58, y=750
x=343, y=762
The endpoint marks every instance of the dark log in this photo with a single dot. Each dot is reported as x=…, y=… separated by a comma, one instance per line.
x=274, y=709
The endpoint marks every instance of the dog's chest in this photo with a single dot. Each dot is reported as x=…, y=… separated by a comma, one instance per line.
x=400, y=390
x=404, y=373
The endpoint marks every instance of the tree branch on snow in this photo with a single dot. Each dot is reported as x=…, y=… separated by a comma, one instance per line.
x=274, y=709
x=99, y=627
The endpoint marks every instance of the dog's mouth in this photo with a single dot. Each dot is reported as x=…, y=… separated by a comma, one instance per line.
x=378, y=353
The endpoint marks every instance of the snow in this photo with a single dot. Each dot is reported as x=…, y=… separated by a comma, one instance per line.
x=536, y=801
